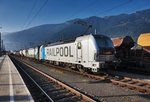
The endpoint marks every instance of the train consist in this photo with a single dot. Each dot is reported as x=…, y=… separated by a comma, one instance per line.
x=91, y=53
x=86, y=53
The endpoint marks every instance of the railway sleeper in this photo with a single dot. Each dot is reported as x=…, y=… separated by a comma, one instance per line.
x=118, y=79
x=44, y=99
x=54, y=89
x=125, y=80
x=47, y=80
x=131, y=88
x=115, y=83
x=63, y=95
x=56, y=85
x=123, y=85
x=48, y=87
x=142, y=91
x=42, y=96
x=58, y=95
x=59, y=91
x=142, y=84
x=71, y=99
x=132, y=82
x=44, y=85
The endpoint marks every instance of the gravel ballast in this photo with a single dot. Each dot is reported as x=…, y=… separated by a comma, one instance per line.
x=102, y=90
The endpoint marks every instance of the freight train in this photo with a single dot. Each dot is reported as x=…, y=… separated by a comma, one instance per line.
x=86, y=53
x=132, y=55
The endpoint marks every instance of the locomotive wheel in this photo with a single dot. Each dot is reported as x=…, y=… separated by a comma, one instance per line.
x=81, y=68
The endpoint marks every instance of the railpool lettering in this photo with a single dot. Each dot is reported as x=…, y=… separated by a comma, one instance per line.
x=70, y=51
x=60, y=51
x=57, y=51
x=66, y=51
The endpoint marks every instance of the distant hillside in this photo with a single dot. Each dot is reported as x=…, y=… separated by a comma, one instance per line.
x=112, y=26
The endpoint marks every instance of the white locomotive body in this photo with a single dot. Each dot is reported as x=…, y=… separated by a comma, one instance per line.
x=88, y=52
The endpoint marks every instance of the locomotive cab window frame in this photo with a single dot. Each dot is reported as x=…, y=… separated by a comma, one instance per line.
x=79, y=45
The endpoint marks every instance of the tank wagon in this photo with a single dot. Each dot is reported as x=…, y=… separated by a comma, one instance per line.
x=86, y=53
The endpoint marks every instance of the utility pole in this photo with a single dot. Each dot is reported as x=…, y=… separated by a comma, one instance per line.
x=2, y=50
x=62, y=37
x=0, y=46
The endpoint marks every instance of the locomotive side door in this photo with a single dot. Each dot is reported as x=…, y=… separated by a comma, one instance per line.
x=79, y=52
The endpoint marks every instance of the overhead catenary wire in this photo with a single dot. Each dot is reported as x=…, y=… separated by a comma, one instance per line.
x=44, y=4
x=117, y=6
x=29, y=15
x=83, y=8
x=105, y=11
x=142, y=5
x=93, y=2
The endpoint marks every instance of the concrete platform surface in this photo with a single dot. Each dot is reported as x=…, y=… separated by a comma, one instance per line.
x=12, y=86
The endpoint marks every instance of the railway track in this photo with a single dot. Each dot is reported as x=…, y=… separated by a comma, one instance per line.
x=34, y=87
x=134, y=84
x=131, y=83
x=52, y=89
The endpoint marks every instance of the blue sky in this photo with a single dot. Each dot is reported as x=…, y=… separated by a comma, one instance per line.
x=15, y=15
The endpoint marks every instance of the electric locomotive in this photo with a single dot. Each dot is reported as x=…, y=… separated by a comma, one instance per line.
x=86, y=53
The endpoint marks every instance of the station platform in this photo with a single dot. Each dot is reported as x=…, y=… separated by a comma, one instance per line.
x=12, y=86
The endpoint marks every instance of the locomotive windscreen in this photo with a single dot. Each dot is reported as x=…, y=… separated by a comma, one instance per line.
x=106, y=48
x=104, y=42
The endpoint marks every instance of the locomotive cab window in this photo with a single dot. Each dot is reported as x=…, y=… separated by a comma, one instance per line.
x=79, y=45
x=104, y=42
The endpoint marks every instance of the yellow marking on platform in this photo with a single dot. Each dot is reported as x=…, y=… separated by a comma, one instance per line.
x=56, y=71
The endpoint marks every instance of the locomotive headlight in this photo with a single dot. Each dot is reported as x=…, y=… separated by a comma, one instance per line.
x=94, y=65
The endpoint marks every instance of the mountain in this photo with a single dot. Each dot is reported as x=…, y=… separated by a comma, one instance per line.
x=113, y=26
